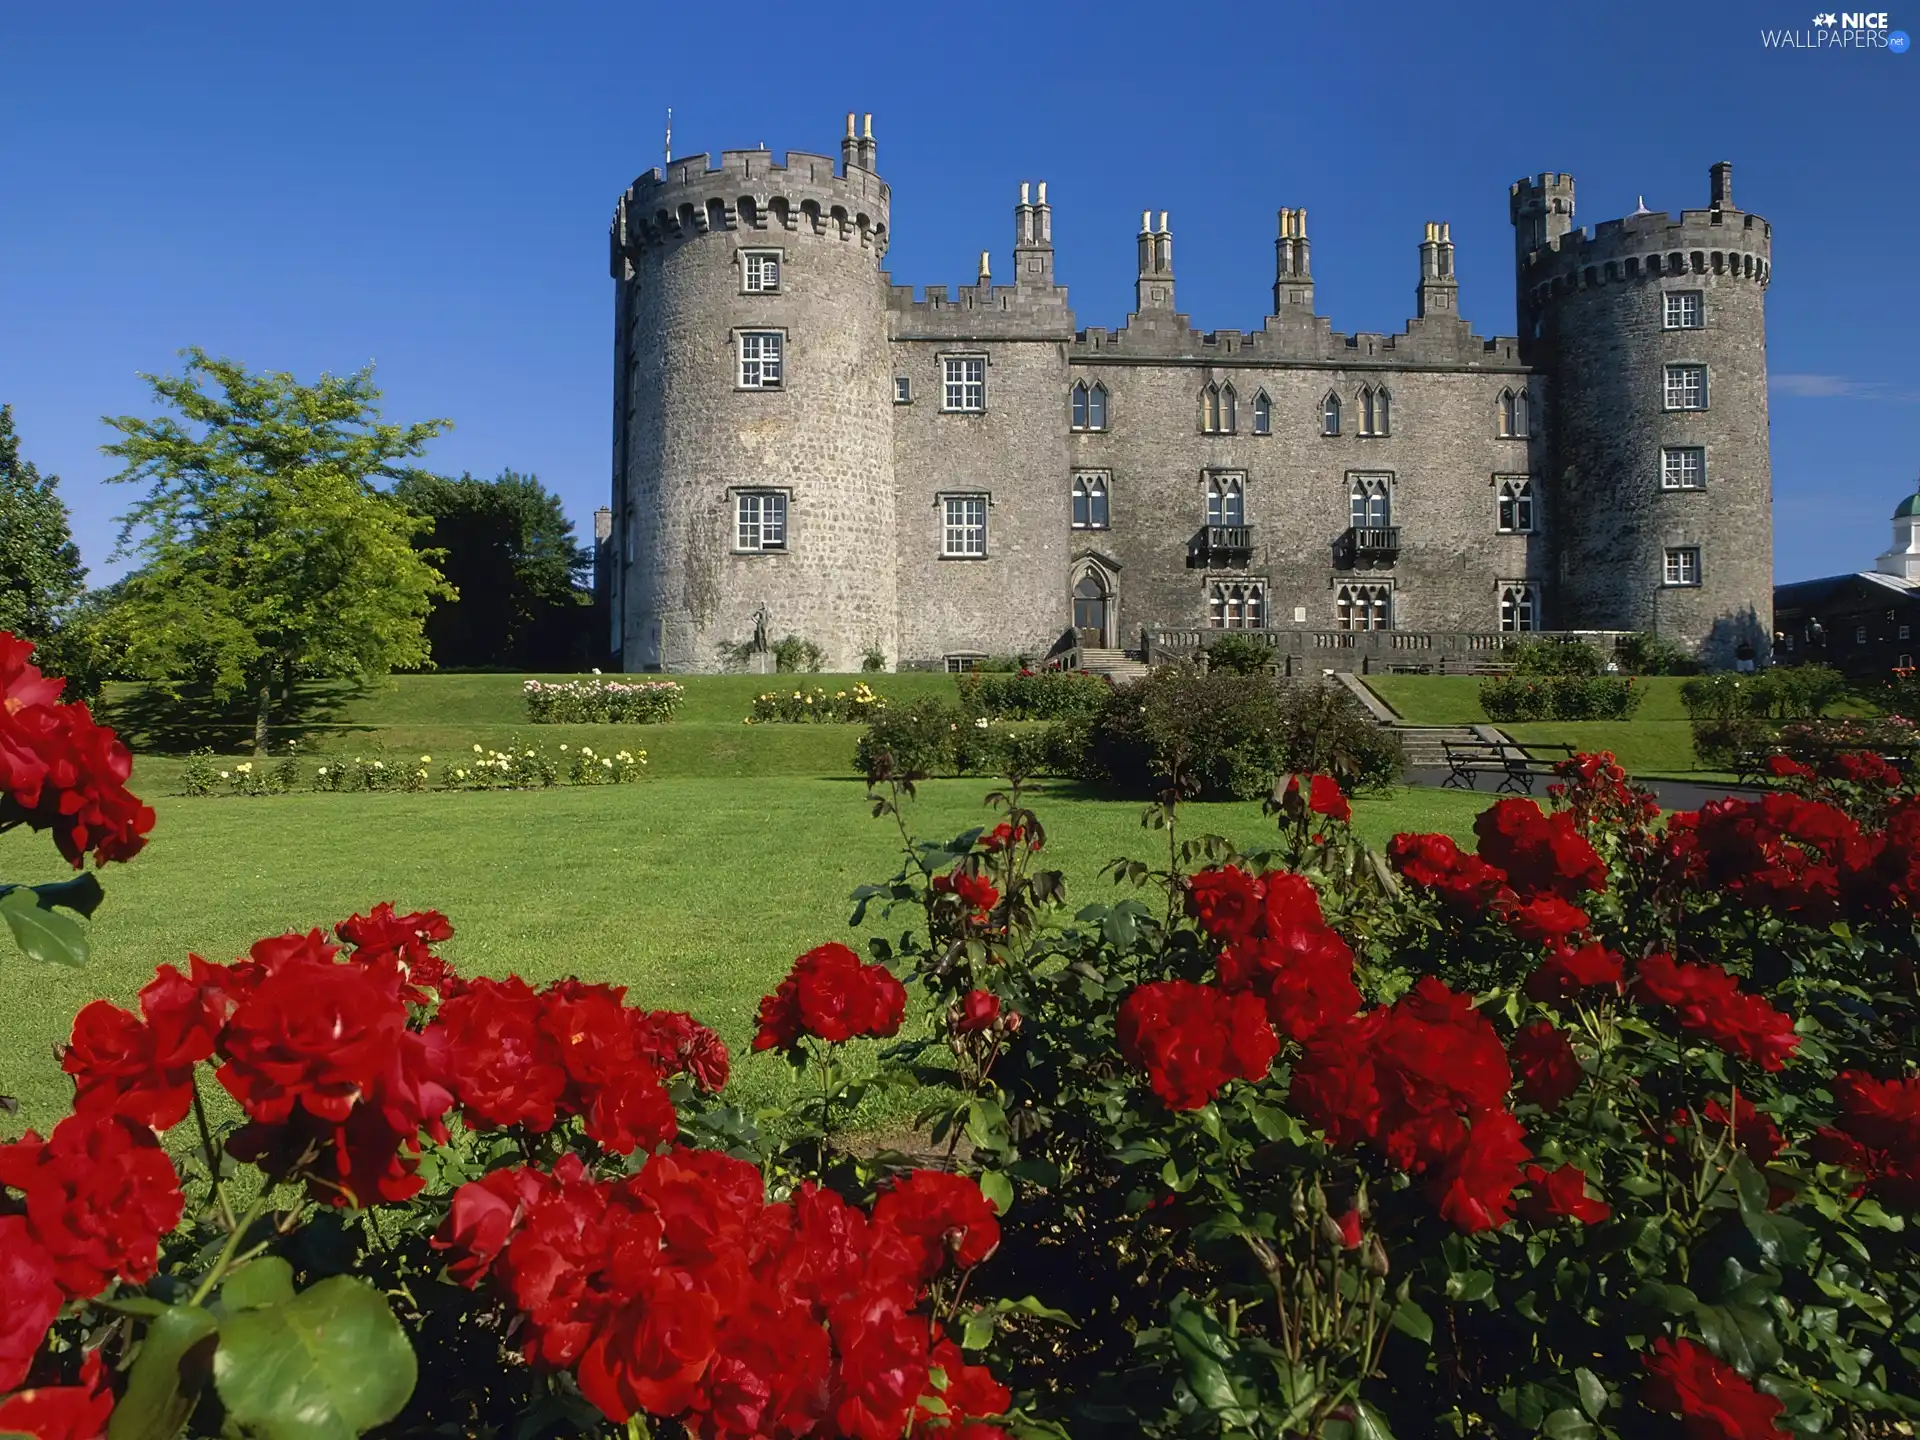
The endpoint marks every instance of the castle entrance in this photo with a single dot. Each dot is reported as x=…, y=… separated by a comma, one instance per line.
x=1092, y=604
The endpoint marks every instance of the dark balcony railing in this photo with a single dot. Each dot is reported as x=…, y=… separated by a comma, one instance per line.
x=1372, y=541
x=1225, y=540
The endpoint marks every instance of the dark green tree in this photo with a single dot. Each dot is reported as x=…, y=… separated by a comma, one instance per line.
x=509, y=552
x=268, y=554
x=40, y=570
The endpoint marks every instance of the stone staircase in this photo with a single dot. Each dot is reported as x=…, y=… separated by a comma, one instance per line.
x=1423, y=743
x=1113, y=664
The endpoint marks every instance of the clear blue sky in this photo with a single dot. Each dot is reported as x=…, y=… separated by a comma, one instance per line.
x=428, y=186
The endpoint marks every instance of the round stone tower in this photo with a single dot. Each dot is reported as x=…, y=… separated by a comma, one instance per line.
x=1652, y=332
x=753, y=433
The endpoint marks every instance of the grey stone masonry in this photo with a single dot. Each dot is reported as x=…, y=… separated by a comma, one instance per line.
x=962, y=473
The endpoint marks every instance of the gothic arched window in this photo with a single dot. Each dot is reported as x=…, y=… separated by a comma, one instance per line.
x=1372, y=502
x=1262, y=414
x=1080, y=406
x=1374, y=417
x=1097, y=408
x=1090, y=501
x=1330, y=414
x=1228, y=415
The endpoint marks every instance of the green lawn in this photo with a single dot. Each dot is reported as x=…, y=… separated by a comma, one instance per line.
x=1657, y=741
x=696, y=893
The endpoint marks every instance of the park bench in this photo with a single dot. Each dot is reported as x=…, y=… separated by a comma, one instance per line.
x=1468, y=760
x=1750, y=763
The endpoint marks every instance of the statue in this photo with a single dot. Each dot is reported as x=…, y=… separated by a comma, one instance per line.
x=760, y=642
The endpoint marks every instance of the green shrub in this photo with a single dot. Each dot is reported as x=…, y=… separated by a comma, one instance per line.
x=817, y=706
x=1225, y=736
x=911, y=740
x=202, y=774
x=1648, y=654
x=873, y=660
x=1514, y=698
x=1239, y=655
x=1786, y=692
x=1555, y=657
x=1033, y=694
x=598, y=701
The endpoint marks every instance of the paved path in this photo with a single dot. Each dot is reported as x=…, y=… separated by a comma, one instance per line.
x=1672, y=794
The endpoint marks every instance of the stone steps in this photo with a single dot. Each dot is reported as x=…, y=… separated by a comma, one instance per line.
x=1113, y=664
x=1424, y=744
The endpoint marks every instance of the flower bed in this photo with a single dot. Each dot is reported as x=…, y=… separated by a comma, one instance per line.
x=1560, y=697
x=1605, y=1127
x=817, y=706
x=1026, y=694
x=602, y=702
x=518, y=767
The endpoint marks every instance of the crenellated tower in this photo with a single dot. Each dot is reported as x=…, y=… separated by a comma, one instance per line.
x=753, y=459
x=1652, y=330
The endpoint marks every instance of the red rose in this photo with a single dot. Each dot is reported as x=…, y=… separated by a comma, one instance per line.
x=1543, y=920
x=650, y=1354
x=503, y=1065
x=1192, y=1039
x=966, y=1392
x=1712, y=1399
x=977, y=1011
x=1474, y=1189
x=976, y=893
x=143, y=1068
x=483, y=1216
x=883, y=1373
x=1753, y=1130
x=829, y=994
x=1545, y=1064
x=382, y=937
x=29, y=1299
x=632, y=1111
x=1782, y=767
x=1560, y=1195
x=1568, y=970
x=1877, y=1134
x=62, y=1412
x=1226, y=901
x=769, y=1374
x=1466, y=883
x=943, y=1217
x=1865, y=768
x=1294, y=960
x=1325, y=798
x=1350, y=1231
x=1541, y=854
x=1708, y=1002
x=314, y=1032
x=100, y=1192
x=674, y=1043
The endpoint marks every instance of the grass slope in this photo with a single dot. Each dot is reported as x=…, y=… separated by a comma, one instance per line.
x=1656, y=741
x=695, y=893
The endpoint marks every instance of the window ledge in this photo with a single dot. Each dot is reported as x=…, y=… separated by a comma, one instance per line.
x=761, y=554
x=975, y=413
x=966, y=557
x=1679, y=584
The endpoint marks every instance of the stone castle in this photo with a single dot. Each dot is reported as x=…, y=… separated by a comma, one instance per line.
x=802, y=445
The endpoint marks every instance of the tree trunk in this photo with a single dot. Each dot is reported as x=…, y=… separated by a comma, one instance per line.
x=261, y=714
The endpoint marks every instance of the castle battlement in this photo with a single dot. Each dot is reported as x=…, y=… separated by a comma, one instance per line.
x=1285, y=341
x=750, y=190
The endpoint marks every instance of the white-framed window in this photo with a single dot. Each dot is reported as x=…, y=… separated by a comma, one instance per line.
x=1262, y=414
x=1519, y=606
x=1686, y=387
x=1515, y=514
x=963, y=528
x=760, y=272
x=760, y=520
x=902, y=390
x=1685, y=310
x=1090, y=500
x=1219, y=410
x=1237, y=605
x=1226, y=498
x=965, y=389
x=1682, y=565
x=1859, y=634
x=1330, y=414
x=963, y=664
x=762, y=359
x=1375, y=410
x=1371, y=501
x=1683, y=467
x=1364, y=607
x=1089, y=406
x=1514, y=421
x=1902, y=635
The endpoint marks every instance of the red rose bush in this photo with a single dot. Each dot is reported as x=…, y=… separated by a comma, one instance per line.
x=1604, y=1125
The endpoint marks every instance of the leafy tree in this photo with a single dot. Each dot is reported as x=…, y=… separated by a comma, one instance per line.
x=40, y=570
x=510, y=553
x=268, y=552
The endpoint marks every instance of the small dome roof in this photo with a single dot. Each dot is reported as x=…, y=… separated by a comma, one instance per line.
x=1909, y=508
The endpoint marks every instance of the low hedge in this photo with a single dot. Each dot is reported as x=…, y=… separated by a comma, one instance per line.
x=1560, y=697
x=1034, y=694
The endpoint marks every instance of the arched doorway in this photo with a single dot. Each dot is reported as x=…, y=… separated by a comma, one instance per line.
x=1093, y=611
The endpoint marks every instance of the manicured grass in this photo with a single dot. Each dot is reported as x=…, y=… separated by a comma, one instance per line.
x=1657, y=741
x=697, y=893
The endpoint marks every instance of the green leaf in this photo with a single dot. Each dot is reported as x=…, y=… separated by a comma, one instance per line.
x=257, y=1284
x=1568, y=1424
x=1369, y=1423
x=1740, y=1334
x=328, y=1364
x=1469, y=1285
x=1667, y=1299
x=998, y=1189
x=175, y=1359
x=1027, y=1305
x=43, y=935
x=976, y=1331
x=1410, y=1320
x=82, y=894
x=987, y=1125
x=1593, y=1394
